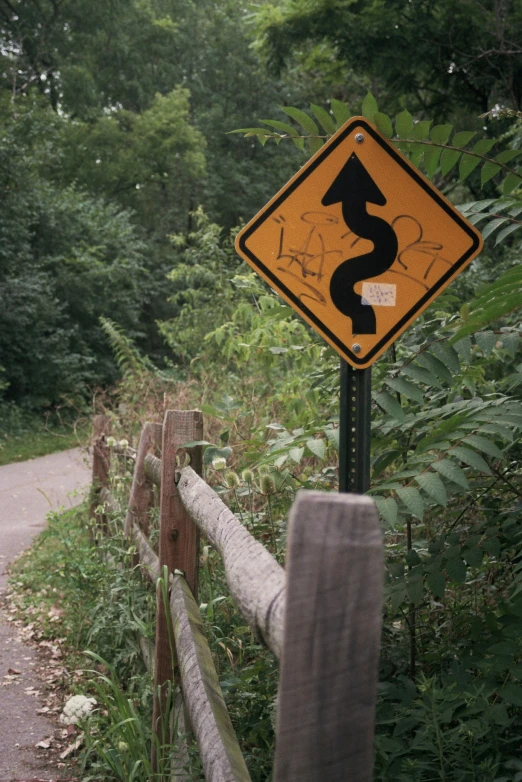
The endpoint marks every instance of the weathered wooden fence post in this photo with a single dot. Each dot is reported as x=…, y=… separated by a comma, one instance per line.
x=141, y=493
x=100, y=466
x=178, y=549
x=328, y=680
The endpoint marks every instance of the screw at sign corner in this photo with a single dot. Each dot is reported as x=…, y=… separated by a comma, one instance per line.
x=359, y=138
x=356, y=348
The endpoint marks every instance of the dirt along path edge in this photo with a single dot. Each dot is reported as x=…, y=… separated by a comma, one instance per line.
x=28, y=492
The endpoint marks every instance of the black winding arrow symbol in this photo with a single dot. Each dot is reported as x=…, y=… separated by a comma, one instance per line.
x=355, y=188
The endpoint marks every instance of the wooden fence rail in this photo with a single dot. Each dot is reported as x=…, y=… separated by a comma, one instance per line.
x=321, y=616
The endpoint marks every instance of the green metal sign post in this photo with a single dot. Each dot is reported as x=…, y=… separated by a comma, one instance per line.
x=354, y=429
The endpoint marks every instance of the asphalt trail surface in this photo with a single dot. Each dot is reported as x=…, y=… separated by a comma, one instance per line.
x=28, y=492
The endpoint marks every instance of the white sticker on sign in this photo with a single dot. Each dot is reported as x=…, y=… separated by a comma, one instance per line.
x=379, y=294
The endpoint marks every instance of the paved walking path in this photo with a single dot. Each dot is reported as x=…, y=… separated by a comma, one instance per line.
x=28, y=491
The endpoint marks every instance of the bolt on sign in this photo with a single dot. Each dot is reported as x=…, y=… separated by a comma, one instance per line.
x=359, y=242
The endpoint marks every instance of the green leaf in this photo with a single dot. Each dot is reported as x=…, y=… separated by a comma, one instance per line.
x=484, y=145
x=303, y=119
x=369, y=107
x=510, y=343
x=432, y=485
x=512, y=693
x=468, y=163
x=501, y=717
x=251, y=131
x=431, y=160
x=507, y=154
x=403, y=124
x=489, y=170
x=441, y=133
x=493, y=225
x=437, y=584
x=477, y=217
x=405, y=388
x=484, y=445
x=397, y=596
x=405, y=725
x=505, y=232
x=448, y=160
x=383, y=124
x=463, y=137
x=463, y=348
x=390, y=405
x=477, y=206
x=472, y=458
x=316, y=447
x=510, y=183
x=296, y=454
x=497, y=310
x=435, y=366
x=456, y=570
x=421, y=130
x=421, y=375
x=415, y=589
x=387, y=508
x=452, y=552
x=341, y=111
x=284, y=127
x=416, y=153
x=473, y=556
x=486, y=341
x=494, y=428
x=499, y=289
x=412, y=499
x=448, y=355
x=384, y=459
x=492, y=547
x=451, y=471
x=323, y=118
x=315, y=144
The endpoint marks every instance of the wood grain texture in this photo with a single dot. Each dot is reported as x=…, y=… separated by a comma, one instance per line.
x=100, y=466
x=328, y=677
x=153, y=469
x=218, y=747
x=140, y=498
x=256, y=581
x=149, y=560
x=178, y=548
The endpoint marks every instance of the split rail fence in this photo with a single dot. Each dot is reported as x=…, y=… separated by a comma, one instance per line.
x=320, y=615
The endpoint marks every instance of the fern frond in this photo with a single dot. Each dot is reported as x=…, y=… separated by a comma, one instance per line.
x=128, y=357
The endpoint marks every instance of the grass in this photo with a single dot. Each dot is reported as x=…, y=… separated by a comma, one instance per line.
x=98, y=610
x=75, y=597
x=26, y=436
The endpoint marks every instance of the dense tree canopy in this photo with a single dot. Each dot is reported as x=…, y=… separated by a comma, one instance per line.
x=444, y=56
x=119, y=110
x=116, y=119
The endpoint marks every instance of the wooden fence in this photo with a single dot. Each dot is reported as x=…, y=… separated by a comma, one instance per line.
x=320, y=616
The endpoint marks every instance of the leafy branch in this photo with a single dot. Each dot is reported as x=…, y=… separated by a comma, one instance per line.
x=437, y=149
x=423, y=143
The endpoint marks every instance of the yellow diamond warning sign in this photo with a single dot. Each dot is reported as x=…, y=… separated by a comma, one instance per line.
x=359, y=242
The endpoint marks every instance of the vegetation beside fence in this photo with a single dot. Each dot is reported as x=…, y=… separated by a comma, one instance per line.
x=321, y=617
